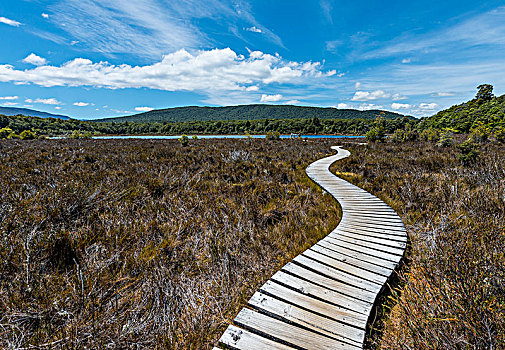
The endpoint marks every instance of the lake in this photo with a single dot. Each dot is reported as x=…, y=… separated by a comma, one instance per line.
x=163, y=137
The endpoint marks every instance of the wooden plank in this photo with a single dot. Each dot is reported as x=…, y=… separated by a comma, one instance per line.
x=384, y=240
x=343, y=302
x=340, y=247
x=288, y=333
x=364, y=250
x=244, y=340
x=310, y=320
x=349, y=260
x=337, y=274
x=369, y=244
x=350, y=269
x=395, y=238
x=375, y=230
x=351, y=291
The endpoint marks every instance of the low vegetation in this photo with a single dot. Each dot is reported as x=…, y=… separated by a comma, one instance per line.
x=147, y=244
x=452, y=292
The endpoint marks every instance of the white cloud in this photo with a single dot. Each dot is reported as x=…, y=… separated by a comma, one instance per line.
x=45, y=15
x=252, y=88
x=292, y=102
x=271, y=98
x=344, y=106
x=406, y=60
x=57, y=107
x=10, y=104
x=35, y=60
x=357, y=86
x=428, y=106
x=369, y=106
x=143, y=109
x=152, y=27
x=8, y=98
x=46, y=101
x=214, y=70
x=398, y=97
x=254, y=29
x=9, y=22
x=397, y=106
x=443, y=94
x=369, y=96
x=81, y=104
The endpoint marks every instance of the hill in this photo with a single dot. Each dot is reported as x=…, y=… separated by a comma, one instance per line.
x=483, y=109
x=247, y=112
x=12, y=111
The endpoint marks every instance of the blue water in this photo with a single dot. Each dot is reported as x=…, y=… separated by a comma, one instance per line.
x=155, y=137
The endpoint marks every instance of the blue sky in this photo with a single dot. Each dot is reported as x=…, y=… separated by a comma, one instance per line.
x=99, y=58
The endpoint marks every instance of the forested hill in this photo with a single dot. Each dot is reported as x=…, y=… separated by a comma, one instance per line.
x=484, y=109
x=12, y=111
x=248, y=112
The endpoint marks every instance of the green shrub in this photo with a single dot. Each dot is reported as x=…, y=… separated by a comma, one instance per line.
x=273, y=135
x=430, y=134
x=6, y=133
x=398, y=136
x=27, y=135
x=184, y=140
x=376, y=133
x=446, y=139
x=194, y=137
x=469, y=152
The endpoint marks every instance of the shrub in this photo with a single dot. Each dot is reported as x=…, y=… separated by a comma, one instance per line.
x=27, y=135
x=480, y=132
x=184, y=140
x=469, y=152
x=430, y=134
x=398, y=136
x=273, y=135
x=446, y=139
x=194, y=137
x=6, y=133
x=376, y=133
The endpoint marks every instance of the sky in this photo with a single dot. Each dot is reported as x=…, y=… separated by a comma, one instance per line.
x=91, y=59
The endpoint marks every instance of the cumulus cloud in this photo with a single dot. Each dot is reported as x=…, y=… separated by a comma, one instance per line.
x=35, y=60
x=214, y=70
x=369, y=96
x=344, y=106
x=46, y=101
x=397, y=106
x=271, y=98
x=292, y=102
x=9, y=22
x=8, y=98
x=357, y=86
x=406, y=60
x=143, y=109
x=81, y=104
x=45, y=15
x=254, y=29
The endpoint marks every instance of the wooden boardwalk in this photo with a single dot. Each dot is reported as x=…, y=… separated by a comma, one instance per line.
x=323, y=298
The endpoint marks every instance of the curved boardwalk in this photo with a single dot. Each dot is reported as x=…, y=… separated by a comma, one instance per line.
x=323, y=298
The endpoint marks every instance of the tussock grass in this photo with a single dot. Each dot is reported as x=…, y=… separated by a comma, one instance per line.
x=452, y=293
x=147, y=244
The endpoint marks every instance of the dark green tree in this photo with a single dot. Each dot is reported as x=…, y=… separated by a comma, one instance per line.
x=484, y=93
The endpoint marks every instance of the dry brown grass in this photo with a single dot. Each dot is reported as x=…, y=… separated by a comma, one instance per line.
x=147, y=244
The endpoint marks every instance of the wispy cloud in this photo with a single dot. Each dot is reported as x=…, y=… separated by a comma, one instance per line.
x=143, y=109
x=45, y=15
x=254, y=29
x=397, y=106
x=9, y=22
x=8, y=98
x=45, y=101
x=151, y=27
x=214, y=70
x=81, y=104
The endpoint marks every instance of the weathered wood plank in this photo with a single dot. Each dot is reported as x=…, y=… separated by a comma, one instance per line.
x=244, y=340
x=288, y=333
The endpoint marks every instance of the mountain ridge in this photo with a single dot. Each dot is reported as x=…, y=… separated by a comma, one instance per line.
x=247, y=112
x=13, y=111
